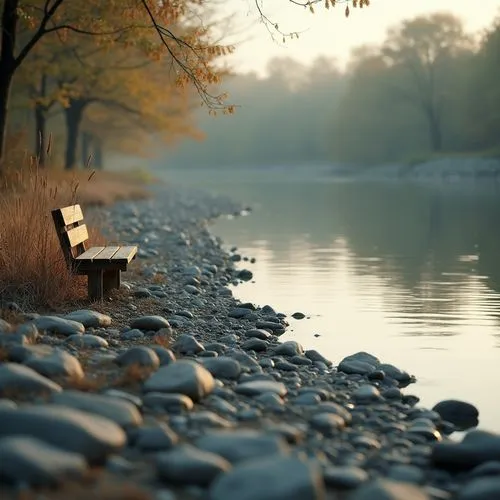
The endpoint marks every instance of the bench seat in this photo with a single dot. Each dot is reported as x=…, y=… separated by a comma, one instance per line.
x=102, y=265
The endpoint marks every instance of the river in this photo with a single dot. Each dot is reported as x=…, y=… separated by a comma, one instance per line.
x=410, y=273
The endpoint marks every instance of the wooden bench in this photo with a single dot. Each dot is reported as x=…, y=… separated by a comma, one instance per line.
x=102, y=265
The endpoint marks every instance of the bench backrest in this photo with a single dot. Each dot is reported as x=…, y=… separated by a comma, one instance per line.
x=71, y=231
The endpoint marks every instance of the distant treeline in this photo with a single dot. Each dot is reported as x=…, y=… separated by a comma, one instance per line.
x=429, y=89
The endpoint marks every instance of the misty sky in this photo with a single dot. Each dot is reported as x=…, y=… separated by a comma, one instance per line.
x=328, y=32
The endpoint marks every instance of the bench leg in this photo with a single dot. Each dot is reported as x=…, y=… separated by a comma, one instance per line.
x=95, y=284
x=111, y=280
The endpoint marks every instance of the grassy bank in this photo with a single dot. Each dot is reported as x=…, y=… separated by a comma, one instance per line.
x=33, y=272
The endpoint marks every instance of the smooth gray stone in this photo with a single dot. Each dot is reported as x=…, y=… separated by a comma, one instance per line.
x=158, y=438
x=29, y=460
x=87, y=340
x=223, y=367
x=366, y=394
x=133, y=334
x=182, y=377
x=256, y=387
x=476, y=448
x=394, y=372
x=238, y=446
x=57, y=364
x=491, y=468
x=239, y=312
x=20, y=353
x=60, y=326
x=89, y=318
x=165, y=355
x=463, y=415
x=244, y=359
x=289, y=348
x=187, y=344
x=209, y=419
x=301, y=361
x=139, y=356
x=13, y=339
x=314, y=355
x=149, y=323
x=29, y=330
x=384, y=489
x=258, y=334
x=360, y=363
x=18, y=380
x=121, y=412
x=187, y=465
x=347, y=477
x=72, y=430
x=272, y=478
x=171, y=403
x=123, y=395
x=276, y=328
x=331, y=407
x=327, y=423
x=270, y=399
x=306, y=399
x=254, y=344
x=7, y=404
x=484, y=488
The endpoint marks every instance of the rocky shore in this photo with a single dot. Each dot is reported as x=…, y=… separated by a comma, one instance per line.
x=173, y=389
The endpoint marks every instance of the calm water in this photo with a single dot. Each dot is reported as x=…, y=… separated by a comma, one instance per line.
x=409, y=273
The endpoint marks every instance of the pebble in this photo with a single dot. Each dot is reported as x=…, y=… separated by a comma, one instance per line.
x=87, y=341
x=155, y=438
x=289, y=348
x=183, y=377
x=223, y=367
x=188, y=465
x=59, y=326
x=463, y=415
x=149, y=323
x=170, y=403
x=187, y=345
x=118, y=410
x=257, y=387
x=272, y=478
x=139, y=356
x=57, y=364
x=345, y=477
x=27, y=460
x=18, y=380
x=239, y=446
x=72, y=430
x=89, y=318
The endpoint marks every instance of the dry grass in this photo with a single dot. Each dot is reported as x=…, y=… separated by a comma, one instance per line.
x=33, y=272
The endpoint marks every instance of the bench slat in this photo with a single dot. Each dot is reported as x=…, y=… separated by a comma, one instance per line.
x=77, y=235
x=90, y=254
x=125, y=254
x=71, y=214
x=107, y=253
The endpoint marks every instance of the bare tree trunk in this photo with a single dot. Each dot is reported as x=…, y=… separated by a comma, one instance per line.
x=73, y=117
x=5, y=85
x=10, y=18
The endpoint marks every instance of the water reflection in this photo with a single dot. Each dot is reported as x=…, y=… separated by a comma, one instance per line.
x=407, y=272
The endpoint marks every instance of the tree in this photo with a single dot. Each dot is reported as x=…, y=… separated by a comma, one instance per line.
x=25, y=24
x=420, y=49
